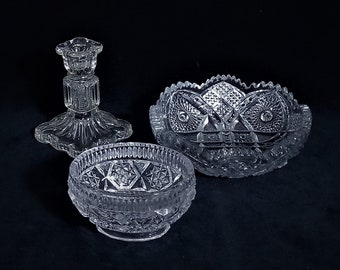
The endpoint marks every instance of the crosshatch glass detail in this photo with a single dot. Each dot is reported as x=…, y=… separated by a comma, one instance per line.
x=230, y=129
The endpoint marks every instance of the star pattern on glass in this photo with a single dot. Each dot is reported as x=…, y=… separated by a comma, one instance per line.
x=158, y=177
x=121, y=174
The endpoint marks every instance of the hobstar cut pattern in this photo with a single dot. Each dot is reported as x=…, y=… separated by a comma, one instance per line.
x=121, y=175
x=132, y=191
x=83, y=125
x=158, y=177
x=230, y=129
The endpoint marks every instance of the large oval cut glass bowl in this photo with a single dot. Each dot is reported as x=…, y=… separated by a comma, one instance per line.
x=132, y=191
x=230, y=129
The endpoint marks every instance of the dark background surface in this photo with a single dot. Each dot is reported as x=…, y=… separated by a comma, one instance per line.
x=286, y=219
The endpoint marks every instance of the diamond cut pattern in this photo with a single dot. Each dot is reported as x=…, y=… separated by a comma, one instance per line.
x=136, y=175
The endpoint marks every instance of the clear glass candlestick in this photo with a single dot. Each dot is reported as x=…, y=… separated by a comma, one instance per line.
x=83, y=126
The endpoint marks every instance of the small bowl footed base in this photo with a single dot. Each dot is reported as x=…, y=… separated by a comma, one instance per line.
x=135, y=237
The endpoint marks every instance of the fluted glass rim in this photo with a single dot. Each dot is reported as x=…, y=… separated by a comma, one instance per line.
x=67, y=48
x=235, y=81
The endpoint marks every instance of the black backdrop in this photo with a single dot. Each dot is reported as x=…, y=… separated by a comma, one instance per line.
x=286, y=219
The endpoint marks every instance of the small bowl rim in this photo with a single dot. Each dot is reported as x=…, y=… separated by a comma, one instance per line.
x=128, y=194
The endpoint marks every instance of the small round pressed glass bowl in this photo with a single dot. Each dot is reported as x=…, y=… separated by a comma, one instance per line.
x=132, y=191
